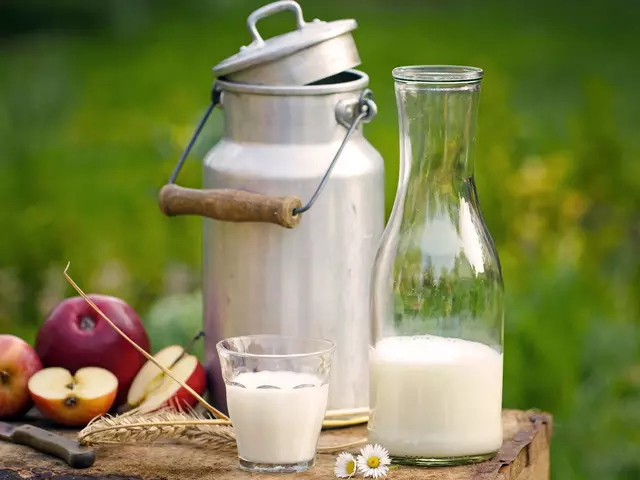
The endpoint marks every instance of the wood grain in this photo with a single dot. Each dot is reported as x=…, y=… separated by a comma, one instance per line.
x=524, y=456
x=229, y=205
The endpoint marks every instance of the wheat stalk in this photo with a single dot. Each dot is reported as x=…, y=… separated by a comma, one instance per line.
x=170, y=424
x=214, y=411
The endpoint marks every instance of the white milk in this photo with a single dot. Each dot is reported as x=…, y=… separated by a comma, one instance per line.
x=435, y=397
x=277, y=426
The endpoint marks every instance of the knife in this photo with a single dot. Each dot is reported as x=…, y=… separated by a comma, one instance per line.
x=68, y=450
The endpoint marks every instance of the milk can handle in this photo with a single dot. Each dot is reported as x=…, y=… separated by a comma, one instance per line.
x=366, y=110
x=268, y=10
x=242, y=206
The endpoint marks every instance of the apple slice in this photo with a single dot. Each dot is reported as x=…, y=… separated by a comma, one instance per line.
x=152, y=389
x=73, y=400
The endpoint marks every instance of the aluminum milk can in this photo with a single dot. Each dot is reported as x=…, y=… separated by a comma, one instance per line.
x=293, y=199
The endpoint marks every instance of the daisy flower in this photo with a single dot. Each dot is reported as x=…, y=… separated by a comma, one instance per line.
x=345, y=466
x=374, y=461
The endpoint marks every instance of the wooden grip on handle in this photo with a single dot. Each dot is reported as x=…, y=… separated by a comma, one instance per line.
x=47, y=442
x=229, y=205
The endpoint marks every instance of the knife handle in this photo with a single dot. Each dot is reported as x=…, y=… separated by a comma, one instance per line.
x=68, y=450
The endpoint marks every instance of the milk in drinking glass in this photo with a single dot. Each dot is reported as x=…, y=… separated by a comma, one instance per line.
x=290, y=418
x=277, y=390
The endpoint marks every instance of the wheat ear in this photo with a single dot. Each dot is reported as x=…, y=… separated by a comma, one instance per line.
x=214, y=411
x=161, y=424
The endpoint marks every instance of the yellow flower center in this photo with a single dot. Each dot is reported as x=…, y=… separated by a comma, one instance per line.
x=351, y=467
x=373, y=462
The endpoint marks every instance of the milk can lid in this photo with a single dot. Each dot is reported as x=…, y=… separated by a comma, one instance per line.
x=314, y=51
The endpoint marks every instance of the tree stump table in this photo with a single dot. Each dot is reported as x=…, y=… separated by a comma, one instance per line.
x=524, y=456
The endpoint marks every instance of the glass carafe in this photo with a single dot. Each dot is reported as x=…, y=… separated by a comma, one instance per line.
x=437, y=292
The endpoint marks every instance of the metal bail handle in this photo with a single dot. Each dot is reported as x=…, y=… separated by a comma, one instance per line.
x=367, y=110
x=242, y=206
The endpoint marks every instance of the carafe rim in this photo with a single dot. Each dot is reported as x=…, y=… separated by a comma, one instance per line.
x=447, y=74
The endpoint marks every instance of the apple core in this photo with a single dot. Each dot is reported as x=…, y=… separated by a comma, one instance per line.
x=73, y=400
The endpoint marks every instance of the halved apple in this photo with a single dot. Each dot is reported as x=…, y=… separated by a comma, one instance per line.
x=153, y=389
x=73, y=400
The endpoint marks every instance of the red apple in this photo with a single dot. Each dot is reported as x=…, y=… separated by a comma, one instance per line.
x=18, y=362
x=73, y=400
x=75, y=336
x=152, y=389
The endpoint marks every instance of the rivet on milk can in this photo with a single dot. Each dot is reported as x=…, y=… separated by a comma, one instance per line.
x=292, y=155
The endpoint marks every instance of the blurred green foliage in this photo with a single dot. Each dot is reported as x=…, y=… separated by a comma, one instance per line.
x=97, y=99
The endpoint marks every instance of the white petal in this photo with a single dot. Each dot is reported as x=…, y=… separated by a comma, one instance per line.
x=342, y=462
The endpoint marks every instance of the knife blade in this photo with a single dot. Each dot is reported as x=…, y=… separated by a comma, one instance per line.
x=47, y=442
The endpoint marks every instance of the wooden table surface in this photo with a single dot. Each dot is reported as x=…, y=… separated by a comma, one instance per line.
x=524, y=456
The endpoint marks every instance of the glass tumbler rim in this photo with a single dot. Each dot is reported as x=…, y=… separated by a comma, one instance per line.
x=329, y=346
x=437, y=74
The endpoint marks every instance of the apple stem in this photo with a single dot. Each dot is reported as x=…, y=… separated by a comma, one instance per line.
x=192, y=342
x=4, y=377
x=187, y=349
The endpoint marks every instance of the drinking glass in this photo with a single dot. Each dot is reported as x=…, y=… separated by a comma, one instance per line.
x=277, y=389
